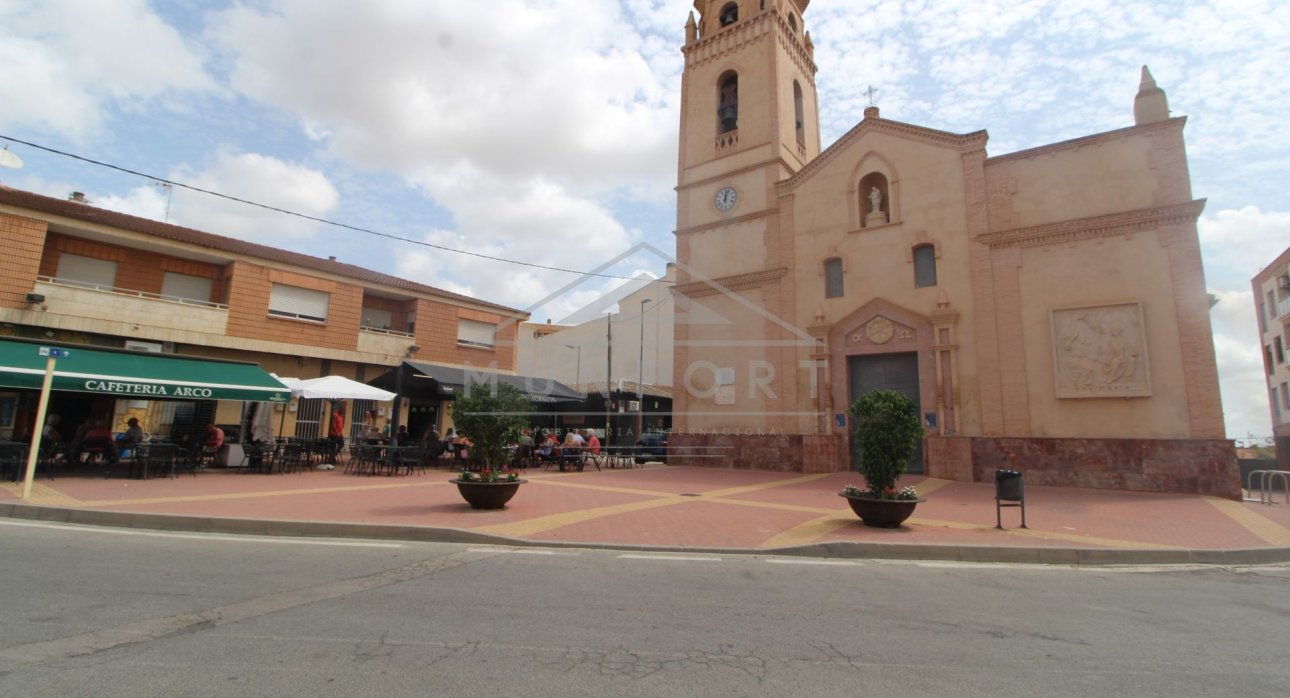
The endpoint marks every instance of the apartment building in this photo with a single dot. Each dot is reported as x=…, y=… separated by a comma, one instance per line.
x=1272, y=295
x=75, y=274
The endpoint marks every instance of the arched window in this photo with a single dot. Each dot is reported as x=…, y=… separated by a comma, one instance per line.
x=798, y=112
x=729, y=14
x=924, y=266
x=728, y=104
x=792, y=22
x=875, y=200
x=833, y=278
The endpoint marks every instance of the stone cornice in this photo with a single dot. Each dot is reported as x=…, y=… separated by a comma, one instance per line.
x=764, y=213
x=1095, y=226
x=966, y=142
x=738, y=282
x=1084, y=141
x=727, y=39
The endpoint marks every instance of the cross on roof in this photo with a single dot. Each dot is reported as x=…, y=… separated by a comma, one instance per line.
x=870, y=93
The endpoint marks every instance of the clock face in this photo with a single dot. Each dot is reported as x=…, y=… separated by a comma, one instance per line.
x=726, y=199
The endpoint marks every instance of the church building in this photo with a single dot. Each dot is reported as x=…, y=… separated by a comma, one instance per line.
x=1045, y=309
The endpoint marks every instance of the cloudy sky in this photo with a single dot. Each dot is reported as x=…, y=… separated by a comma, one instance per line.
x=545, y=130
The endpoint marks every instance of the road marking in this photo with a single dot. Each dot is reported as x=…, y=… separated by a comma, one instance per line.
x=670, y=558
x=834, y=563
x=529, y=527
x=1266, y=529
x=521, y=551
x=202, y=536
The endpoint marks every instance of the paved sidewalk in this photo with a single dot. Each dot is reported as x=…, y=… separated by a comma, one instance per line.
x=678, y=508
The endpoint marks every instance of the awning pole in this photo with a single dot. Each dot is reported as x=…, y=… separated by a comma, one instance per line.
x=34, y=453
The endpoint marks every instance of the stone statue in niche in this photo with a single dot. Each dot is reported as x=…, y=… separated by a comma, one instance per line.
x=1100, y=352
x=876, y=215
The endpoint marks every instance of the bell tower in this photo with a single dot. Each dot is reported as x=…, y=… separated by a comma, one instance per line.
x=749, y=114
x=749, y=120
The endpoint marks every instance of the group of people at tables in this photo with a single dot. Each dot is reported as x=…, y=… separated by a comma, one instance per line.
x=94, y=441
x=577, y=446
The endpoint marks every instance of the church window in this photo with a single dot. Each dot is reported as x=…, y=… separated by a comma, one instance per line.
x=833, y=278
x=798, y=112
x=728, y=104
x=729, y=14
x=792, y=22
x=924, y=266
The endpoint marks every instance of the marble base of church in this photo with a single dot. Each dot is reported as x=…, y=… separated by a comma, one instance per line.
x=793, y=453
x=1180, y=466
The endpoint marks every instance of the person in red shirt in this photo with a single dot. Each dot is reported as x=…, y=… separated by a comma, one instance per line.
x=214, y=437
x=593, y=443
x=336, y=433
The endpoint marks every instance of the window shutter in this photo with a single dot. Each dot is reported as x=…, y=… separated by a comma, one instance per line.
x=478, y=334
x=295, y=302
x=186, y=287
x=86, y=271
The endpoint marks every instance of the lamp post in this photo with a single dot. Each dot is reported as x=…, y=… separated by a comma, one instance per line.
x=578, y=371
x=640, y=376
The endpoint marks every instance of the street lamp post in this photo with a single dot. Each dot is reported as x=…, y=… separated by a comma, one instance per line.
x=578, y=371
x=640, y=376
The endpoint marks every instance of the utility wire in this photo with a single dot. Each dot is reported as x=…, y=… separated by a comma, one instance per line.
x=166, y=182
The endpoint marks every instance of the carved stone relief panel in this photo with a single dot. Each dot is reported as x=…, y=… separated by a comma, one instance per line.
x=881, y=330
x=1100, y=351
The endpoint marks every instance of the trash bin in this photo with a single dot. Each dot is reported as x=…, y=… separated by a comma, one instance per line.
x=1008, y=486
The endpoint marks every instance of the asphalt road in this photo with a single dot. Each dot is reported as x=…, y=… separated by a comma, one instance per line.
x=109, y=612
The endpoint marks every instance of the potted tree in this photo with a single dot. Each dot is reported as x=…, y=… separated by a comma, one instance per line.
x=492, y=417
x=887, y=431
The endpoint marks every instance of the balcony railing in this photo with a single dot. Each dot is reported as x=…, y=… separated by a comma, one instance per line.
x=133, y=293
x=385, y=331
x=1283, y=307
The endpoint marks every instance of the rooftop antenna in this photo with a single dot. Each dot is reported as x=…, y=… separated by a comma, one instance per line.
x=169, y=190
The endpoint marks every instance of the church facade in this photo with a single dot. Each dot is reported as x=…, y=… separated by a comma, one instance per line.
x=1045, y=309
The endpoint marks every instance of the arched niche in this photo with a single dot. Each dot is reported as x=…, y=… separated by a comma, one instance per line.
x=874, y=171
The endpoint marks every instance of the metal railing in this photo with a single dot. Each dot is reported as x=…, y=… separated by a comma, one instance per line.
x=1267, y=481
x=382, y=330
x=129, y=292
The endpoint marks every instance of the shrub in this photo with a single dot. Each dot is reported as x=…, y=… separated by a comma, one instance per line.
x=492, y=417
x=887, y=432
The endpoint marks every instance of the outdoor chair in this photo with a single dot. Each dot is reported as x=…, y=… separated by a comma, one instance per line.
x=13, y=461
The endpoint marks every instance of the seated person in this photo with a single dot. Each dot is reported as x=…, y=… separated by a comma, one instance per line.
x=461, y=446
x=593, y=443
x=99, y=440
x=132, y=437
x=549, y=450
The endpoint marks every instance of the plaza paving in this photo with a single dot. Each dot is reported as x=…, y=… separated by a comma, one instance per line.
x=681, y=508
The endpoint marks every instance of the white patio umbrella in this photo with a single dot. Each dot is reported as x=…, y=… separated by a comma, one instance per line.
x=336, y=388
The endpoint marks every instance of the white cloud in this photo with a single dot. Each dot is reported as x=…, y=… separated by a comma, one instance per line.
x=258, y=178
x=67, y=62
x=516, y=89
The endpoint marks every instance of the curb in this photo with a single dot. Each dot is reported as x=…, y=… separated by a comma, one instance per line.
x=837, y=550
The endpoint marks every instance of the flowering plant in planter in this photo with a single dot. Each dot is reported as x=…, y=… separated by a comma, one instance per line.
x=493, y=416
x=488, y=475
x=905, y=494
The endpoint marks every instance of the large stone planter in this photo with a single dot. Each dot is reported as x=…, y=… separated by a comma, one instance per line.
x=881, y=513
x=487, y=495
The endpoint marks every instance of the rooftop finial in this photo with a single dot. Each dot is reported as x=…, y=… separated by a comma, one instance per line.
x=1151, y=104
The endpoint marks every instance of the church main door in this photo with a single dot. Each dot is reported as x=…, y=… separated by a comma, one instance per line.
x=898, y=372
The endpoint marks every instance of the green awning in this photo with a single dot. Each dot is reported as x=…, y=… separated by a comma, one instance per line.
x=139, y=375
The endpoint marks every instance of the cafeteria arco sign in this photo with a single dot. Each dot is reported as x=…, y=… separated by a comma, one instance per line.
x=148, y=389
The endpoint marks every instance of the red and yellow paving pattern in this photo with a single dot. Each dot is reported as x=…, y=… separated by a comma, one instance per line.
x=673, y=506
